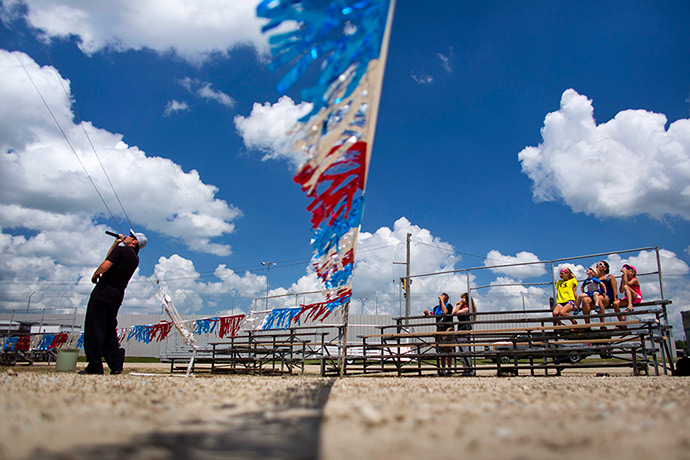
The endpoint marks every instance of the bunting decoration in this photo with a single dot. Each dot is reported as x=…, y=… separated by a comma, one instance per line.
x=51, y=341
x=23, y=344
x=314, y=312
x=349, y=39
x=222, y=326
x=161, y=330
x=45, y=342
x=230, y=325
x=280, y=318
x=140, y=333
x=80, y=342
x=121, y=335
x=205, y=325
x=10, y=344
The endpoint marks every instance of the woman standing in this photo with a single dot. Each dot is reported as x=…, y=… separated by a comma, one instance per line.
x=465, y=318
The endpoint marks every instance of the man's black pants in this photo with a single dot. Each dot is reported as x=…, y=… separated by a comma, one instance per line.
x=100, y=336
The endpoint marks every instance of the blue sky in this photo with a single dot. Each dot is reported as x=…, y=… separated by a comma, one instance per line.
x=507, y=131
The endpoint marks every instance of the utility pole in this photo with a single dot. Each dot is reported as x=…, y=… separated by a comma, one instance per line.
x=406, y=281
x=407, y=277
x=268, y=273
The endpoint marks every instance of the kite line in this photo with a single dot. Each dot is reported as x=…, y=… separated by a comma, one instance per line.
x=159, y=289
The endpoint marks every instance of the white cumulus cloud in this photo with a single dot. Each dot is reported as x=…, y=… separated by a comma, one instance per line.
x=190, y=29
x=525, y=264
x=46, y=198
x=508, y=294
x=377, y=277
x=43, y=185
x=191, y=293
x=628, y=166
x=265, y=129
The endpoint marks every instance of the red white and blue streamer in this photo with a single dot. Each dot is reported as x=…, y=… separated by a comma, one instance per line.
x=219, y=326
x=348, y=38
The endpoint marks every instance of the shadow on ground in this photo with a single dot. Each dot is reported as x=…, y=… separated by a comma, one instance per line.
x=289, y=430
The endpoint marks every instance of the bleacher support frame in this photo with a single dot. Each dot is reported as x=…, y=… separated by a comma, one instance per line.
x=536, y=343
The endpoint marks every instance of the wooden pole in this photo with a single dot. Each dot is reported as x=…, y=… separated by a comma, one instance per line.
x=343, y=353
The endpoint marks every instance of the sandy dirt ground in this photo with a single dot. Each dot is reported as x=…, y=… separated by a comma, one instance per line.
x=53, y=415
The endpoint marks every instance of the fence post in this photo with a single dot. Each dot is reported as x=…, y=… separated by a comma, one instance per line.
x=553, y=287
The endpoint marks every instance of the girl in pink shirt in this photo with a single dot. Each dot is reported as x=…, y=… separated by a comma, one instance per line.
x=630, y=288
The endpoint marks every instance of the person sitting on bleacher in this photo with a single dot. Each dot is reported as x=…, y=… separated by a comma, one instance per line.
x=630, y=287
x=444, y=323
x=611, y=294
x=566, y=292
x=592, y=289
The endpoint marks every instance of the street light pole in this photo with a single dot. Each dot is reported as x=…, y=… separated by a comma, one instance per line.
x=268, y=273
x=363, y=299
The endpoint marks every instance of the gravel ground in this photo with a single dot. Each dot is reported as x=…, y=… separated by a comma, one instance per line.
x=568, y=417
x=67, y=416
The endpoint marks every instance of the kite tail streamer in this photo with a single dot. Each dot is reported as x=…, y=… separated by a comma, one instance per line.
x=349, y=38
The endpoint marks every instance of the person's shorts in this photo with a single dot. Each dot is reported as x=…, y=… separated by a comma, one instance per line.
x=637, y=300
x=575, y=310
x=445, y=340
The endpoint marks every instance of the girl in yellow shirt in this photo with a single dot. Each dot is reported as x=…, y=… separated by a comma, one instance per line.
x=566, y=290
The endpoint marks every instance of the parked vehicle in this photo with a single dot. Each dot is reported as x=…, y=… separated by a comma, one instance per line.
x=525, y=347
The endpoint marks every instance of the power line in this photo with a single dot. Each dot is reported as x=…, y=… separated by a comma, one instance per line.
x=62, y=131
x=71, y=146
x=93, y=148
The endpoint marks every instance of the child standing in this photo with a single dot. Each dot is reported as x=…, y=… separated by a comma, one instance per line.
x=566, y=290
x=591, y=288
